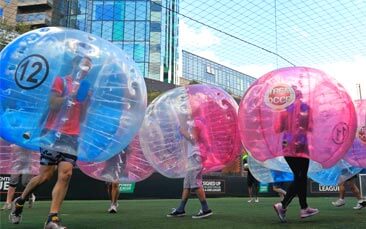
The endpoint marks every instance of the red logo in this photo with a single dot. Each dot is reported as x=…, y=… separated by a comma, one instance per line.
x=279, y=96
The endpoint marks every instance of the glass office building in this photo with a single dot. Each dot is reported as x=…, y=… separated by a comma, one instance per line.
x=196, y=68
x=147, y=30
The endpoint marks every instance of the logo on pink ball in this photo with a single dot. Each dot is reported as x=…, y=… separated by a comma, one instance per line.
x=279, y=96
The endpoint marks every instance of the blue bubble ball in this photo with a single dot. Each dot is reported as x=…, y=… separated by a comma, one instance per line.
x=70, y=91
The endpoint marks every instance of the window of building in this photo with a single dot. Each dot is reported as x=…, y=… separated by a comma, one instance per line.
x=118, y=28
x=108, y=11
x=155, y=27
x=97, y=28
x=210, y=70
x=107, y=30
x=139, y=52
x=141, y=10
x=140, y=30
x=128, y=48
x=130, y=10
x=155, y=7
x=129, y=30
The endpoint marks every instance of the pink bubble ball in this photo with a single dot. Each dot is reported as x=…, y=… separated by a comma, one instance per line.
x=208, y=109
x=356, y=155
x=17, y=160
x=128, y=166
x=297, y=112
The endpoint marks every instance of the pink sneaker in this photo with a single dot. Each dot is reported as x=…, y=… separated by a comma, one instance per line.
x=281, y=212
x=304, y=213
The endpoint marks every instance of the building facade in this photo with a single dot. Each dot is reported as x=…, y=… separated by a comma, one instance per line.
x=146, y=30
x=36, y=13
x=196, y=68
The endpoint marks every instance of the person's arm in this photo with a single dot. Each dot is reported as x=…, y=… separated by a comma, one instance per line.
x=55, y=101
x=189, y=136
x=84, y=107
x=311, y=121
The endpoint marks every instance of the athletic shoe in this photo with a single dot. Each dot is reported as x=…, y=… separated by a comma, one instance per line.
x=256, y=200
x=339, y=203
x=250, y=200
x=202, y=214
x=281, y=212
x=176, y=213
x=31, y=200
x=304, y=213
x=113, y=208
x=55, y=223
x=360, y=204
x=6, y=206
x=15, y=216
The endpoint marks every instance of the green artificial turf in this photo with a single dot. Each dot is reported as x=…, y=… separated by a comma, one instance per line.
x=228, y=213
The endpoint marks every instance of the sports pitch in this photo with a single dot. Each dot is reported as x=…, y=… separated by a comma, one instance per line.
x=228, y=213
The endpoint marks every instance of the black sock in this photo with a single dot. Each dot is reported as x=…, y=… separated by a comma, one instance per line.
x=53, y=217
x=20, y=201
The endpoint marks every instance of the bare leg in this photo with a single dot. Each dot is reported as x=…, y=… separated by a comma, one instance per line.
x=250, y=191
x=10, y=194
x=185, y=194
x=201, y=194
x=45, y=174
x=342, y=190
x=354, y=189
x=61, y=186
x=114, y=194
x=280, y=192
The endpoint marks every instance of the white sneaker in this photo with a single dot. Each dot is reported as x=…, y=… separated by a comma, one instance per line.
x=250, y=200
x=6, y=206
x=360, y=204
x=256, y=200
x=339, y=203
x=113, y=208
x=31, y=200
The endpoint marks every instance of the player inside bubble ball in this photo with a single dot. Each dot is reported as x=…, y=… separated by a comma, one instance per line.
x=191, y=130
x=295, y=122
x=66, y=129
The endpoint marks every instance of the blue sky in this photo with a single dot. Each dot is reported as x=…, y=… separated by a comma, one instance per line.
x=328, y=35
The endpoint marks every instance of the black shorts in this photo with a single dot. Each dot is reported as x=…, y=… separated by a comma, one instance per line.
x=251, y=180
x=51, y=157
x=15, y=178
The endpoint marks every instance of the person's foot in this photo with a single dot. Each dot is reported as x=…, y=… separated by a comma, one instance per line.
x=15, y=216
x=6, y=206
x=250, y=200
x=113, y=208
x=31, y=200
x=304, y=213
x=202, y=214
x=54, y=223
x=176, y=213
x=339, y=203
x=360, y=204
x=281, y=212
x=256, y=200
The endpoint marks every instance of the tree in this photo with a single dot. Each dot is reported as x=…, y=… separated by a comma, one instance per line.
x=9, y=32
x=151, y=95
